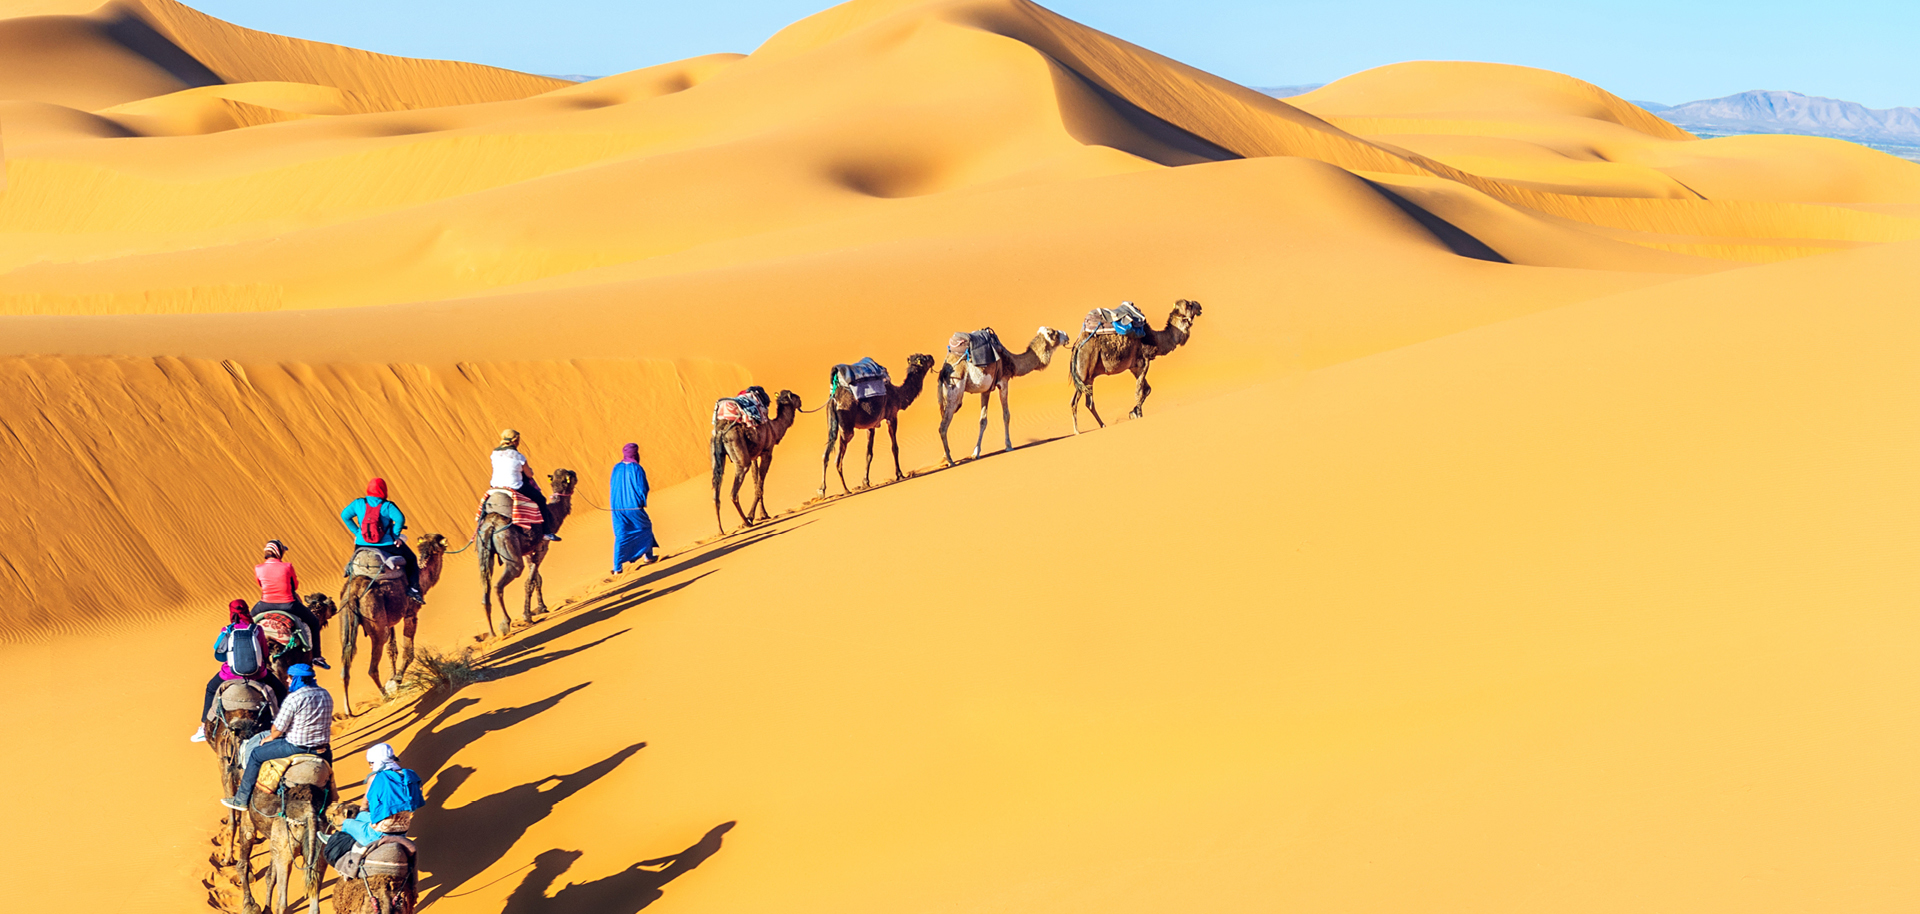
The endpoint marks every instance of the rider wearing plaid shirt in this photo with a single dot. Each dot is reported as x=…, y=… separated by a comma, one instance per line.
x=303, y=727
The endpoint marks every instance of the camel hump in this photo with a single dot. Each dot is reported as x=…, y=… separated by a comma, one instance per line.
x=390, y=856
x=981, y=347
x=867, y=378
x=372, y=563
x=1126, y=320
x=294, y=771
x=243, y=695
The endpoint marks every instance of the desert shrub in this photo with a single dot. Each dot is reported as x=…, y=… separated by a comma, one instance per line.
x=435, y=671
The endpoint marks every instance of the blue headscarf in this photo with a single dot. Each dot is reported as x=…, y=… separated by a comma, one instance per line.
x=301, y=676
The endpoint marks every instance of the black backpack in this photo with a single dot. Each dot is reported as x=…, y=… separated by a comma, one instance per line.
x=245, y=654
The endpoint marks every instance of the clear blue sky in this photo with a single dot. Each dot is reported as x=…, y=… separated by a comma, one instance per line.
x=1672, y=51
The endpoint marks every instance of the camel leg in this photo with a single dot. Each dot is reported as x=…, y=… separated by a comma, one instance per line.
x=840, y=461
x=986, y=397
x=484, y=542
x=871, y=434
x=893, y=436
x=408, y=626
x=315, y=862
x=1143, y=388
x=949, y=404
x=833, y=437
x=393, y=660
x=719, y=473
x=349, y=631
x=740, y=476
x=534, y=590
x=282, y=865
x=1075, y=408
x=243, y=856
x=1091, y=408
x=514, y=566
x=379, y=634
x=1006, y=414
x=760, y=469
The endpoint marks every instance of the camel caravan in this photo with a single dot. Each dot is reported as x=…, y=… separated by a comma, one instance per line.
x=270, y=725
x=863, y=396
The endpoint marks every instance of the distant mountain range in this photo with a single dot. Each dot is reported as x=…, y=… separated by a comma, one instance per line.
x=1892, y=130
x=1895, y=130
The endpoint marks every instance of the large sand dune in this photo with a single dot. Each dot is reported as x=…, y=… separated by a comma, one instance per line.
x=1522, y=528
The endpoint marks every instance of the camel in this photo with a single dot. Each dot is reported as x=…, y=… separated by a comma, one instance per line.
x=497, y=537
x=1095, y=354
x=959, y=377
x=289, y=816
x=242, y=708
x=751, y=450
x=846, y=415
x=380, y=607
x=387, y=884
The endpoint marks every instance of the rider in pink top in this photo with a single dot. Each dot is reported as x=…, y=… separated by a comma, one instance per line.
x=280, y=591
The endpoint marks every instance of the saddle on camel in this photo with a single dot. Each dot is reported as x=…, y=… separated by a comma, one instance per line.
x=1126, y=320
x=867, y=378
x=980, y=347
x=749, y=408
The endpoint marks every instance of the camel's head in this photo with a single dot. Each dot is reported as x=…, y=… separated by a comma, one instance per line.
x=1052, y=339
x=322, y=607
x=431, y=546
x=919, y=363
x=563, y=481
x=1184, y=312
x=789, y=400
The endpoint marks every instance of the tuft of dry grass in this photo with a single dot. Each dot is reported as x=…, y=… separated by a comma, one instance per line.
x=434, y=671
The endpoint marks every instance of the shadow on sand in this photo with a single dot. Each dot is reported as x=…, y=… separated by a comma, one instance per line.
x=468, y=839
x=624, y=892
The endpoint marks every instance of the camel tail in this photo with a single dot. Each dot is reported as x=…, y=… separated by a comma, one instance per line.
x=946, y=374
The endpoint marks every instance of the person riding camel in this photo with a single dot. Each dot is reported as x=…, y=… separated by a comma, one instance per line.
x=391, y=790
x=242, y=653
x=377, y=524
x=303, y=727
x=511, y=472
x=280, y=592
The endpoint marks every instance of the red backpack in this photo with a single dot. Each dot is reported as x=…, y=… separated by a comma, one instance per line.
x=373, y=525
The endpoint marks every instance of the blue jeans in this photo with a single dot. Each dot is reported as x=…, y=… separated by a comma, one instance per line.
x=267, y=752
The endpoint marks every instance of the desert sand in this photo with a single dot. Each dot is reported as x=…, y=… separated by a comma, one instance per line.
x=1527, y=526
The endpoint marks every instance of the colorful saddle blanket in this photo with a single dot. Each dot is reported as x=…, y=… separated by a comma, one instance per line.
x=748, y=408
x=515, y=507
x=867, y=378
x=981, y=347
x=286, y=632
x=1126, y=320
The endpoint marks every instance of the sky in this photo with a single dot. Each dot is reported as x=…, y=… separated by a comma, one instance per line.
x=1672, y=51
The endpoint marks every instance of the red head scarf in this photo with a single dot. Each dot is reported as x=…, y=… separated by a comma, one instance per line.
x=237, y=613
x=377, y=487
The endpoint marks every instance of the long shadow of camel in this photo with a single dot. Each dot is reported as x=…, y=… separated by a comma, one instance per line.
x=466, y=840
x=624, y=892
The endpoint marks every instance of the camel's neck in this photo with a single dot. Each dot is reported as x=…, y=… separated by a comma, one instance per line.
x=782, y=421
x=560, y=506
x=1036, y=357
x=430, y=571
x=1165, y=341
x=910, y=390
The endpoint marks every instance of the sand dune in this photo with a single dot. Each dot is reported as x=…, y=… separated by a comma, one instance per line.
x=1520, y=529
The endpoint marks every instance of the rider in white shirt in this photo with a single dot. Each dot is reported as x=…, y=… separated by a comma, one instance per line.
x=510, y=472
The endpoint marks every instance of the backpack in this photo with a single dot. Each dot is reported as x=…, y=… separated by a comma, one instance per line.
x=245, y=655
x=373, y=526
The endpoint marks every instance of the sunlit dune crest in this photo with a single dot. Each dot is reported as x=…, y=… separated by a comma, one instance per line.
x=1525, y=524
